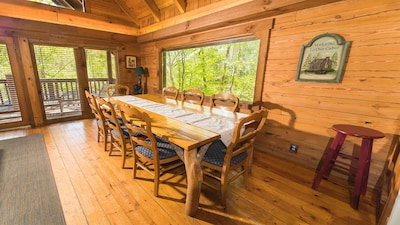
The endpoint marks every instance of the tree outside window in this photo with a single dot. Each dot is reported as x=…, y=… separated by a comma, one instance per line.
x=227, y=67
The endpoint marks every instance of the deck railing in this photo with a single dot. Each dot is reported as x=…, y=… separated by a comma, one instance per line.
x=54, y=91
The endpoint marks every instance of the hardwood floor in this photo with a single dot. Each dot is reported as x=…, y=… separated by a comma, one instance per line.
x=94, y=189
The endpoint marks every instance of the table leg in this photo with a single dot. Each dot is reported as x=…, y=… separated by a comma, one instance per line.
x=194, y=178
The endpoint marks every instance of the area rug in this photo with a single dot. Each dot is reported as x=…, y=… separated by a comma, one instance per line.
x=28, y=192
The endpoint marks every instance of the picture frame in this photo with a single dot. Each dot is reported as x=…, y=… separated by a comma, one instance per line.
x=323, y=59
x=130, y=62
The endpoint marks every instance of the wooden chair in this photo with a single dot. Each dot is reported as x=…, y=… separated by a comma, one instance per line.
x=170, y=92
x=225, y=164
x=117, y=90
x=224, y=101
x=151, y=153
x=120, y=140
x=193, y=96
x=102, y=127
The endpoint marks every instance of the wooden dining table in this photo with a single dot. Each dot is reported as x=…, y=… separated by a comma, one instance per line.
x=194, y=140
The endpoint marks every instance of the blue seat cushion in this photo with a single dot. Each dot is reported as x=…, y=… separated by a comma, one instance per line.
x=119, y=120
x=165, y=150
x=216, y=153
x=124, y=131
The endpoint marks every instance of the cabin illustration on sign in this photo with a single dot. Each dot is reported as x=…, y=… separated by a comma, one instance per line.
x=320, y=66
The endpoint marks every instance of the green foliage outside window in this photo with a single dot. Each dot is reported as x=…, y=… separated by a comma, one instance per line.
x=55, y=62
x=5, y=68
x=96, y=63
x=218, y=68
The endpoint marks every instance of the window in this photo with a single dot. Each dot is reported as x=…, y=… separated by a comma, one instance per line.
x=69, y=4
x=58, y=77
x=101, y=69
x=227, y=67
x=9, y=105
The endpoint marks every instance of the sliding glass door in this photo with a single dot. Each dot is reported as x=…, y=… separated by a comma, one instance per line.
x=58, y=78
x=12, y=112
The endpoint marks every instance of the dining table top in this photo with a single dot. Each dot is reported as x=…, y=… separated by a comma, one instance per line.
x=182, y=131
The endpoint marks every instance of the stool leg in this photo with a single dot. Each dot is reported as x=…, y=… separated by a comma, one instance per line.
x=368, y=143
x=329, y=160
x=361, y=179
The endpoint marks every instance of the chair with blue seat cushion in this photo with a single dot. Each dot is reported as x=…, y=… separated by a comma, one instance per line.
x=193, y=96
x=102, y=127
x=116, y=90
x=170, y=92
x=226, y=163
x=225, y=101
x=151, y=153
x=120, y=138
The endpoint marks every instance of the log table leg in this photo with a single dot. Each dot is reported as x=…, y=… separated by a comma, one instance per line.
x=194, y=179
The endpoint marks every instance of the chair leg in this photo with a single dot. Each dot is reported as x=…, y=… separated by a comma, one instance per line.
x=105, y=139
x=123, y=159
x=98, y=134
x=134, y=165
x=156, y=180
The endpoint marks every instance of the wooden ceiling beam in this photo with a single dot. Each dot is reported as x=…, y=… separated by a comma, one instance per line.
x=43, y=13
x=155, y=11
x=128, y=11
x=194, y=14
x=180, y=5
x=221, y=14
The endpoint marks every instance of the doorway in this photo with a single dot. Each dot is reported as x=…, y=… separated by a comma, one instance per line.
x=13, y=108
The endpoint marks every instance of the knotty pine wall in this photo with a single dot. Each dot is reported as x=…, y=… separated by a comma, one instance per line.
x=303, y=113
x=367, y=96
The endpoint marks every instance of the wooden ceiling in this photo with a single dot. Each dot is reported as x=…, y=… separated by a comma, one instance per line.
x=142, y=17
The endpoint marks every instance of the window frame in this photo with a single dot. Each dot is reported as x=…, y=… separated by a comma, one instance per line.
x=206, y=44
x=259, y=29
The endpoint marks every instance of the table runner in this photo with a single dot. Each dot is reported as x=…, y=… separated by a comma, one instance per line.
x=223, y=126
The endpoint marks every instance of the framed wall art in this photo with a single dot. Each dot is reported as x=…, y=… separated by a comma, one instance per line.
x=130, y=62
x=323, y=59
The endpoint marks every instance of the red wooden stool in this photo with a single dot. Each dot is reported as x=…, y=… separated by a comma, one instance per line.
x=364, y=159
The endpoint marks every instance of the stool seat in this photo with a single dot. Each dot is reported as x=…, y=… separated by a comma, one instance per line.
x=357, y=131
x=364, y=158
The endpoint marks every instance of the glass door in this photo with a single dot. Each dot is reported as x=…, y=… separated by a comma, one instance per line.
x=12, y=112
x=58, y=78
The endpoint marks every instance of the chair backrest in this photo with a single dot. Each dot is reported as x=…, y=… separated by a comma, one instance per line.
x=110, y=115
x=170, y=92
x=193, y=96
x=244, y=135
x=95, y=109
x=224, y=101
x=140, y=129
x=117, y=90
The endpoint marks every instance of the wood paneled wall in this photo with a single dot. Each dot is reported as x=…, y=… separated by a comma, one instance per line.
x=367, y=96
x=303, y=113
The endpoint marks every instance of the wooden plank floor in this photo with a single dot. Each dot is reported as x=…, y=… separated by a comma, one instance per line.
x=94, y=189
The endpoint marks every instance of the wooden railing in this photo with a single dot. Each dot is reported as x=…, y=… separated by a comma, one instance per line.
x=54, y=92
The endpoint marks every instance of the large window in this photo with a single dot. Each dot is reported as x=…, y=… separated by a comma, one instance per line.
x=101, y=69
x=69, y=4
x=57, y=72
x=9, y=105
x=228, y=67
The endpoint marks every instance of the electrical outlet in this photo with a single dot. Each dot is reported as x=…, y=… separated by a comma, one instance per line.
x=294, y=148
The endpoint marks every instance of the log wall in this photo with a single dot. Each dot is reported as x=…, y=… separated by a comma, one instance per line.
x=303, y=113
x=367, y=96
